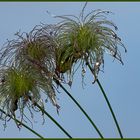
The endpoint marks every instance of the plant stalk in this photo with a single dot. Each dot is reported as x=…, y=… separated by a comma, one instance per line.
x=22, y=124
x=84, y=112
x=49, y=116
x=108, y=102
x=57, y=82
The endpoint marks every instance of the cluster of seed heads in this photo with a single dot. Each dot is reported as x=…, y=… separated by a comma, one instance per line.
x=37, y=62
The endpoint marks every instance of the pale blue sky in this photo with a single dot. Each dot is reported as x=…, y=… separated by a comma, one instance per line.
x=121, y=83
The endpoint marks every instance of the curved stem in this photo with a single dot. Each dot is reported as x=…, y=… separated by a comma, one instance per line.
x=84, y=112
x=57, y=82
x=111, y=110
x=53, y=120
x=108, y=103
x=22, y=124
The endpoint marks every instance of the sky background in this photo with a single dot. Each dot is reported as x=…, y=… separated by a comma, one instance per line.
x=121, y=83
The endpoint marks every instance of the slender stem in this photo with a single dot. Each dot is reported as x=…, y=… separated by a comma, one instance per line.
x=84, y=112
x=108, y=103
x=111, y=110
x=57, y=82
x=22, y=124
x=53, y=120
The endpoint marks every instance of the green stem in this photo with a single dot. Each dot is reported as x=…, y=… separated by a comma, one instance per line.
x=54, y=120
x=111, y=110
x=22, y=124
x=57, y=82
x=108, y=103
x=84, y=112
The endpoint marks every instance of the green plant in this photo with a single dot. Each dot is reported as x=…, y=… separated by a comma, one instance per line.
x=22, y=80
x=86, y=39
x=47, y=57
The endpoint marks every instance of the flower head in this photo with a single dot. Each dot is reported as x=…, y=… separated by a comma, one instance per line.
x=29, y=62
x=86, y=39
